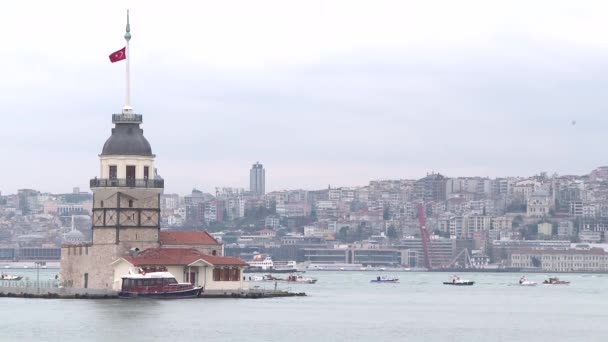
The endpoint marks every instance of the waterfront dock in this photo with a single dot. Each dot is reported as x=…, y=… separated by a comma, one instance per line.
x=73, y=293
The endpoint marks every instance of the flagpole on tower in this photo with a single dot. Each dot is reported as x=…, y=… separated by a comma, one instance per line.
x=127, y=108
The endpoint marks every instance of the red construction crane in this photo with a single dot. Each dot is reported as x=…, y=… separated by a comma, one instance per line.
x=424, y=235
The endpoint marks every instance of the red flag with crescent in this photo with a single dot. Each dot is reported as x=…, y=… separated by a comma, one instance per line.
x=118, y=55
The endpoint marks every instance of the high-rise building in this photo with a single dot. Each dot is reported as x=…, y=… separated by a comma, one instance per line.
x=257, y=179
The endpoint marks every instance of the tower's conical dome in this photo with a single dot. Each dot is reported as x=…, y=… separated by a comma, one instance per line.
x=127, y=139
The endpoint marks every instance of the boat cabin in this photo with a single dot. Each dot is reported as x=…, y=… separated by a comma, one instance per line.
x=156, y=281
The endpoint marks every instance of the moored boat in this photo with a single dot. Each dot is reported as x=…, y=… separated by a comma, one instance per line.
x=266, y=277
x=555, y=281
x=298, y=278
x=384, y=279
x=456, y=280
x=292, y=278
x=156, y=285
x=10, y=277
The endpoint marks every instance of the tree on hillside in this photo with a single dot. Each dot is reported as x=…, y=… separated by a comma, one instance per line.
x=391, y=233
x=517, y=221
x=386, y=215
x=313, y=214
x=343, y=234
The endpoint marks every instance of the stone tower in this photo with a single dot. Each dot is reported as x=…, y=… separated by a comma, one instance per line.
x=126, y=196
x=126, y=202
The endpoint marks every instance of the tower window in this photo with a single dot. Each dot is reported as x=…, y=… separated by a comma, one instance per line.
x=130, y=203
x=113, y=172
x=146, y=172
x=101, y=204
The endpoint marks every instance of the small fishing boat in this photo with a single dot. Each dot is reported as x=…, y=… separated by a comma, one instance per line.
x=457, y=281
x=384, y=279
x=555, y=281
x=523, y=281
x=156, y=285
x=10, y=277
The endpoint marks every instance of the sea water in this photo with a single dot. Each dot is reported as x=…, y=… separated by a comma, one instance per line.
x=341, y=306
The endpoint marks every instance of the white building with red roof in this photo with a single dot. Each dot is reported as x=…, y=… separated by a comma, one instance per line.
x=212, y=272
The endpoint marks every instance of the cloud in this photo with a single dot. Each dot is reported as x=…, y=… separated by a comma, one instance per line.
x=321, y=93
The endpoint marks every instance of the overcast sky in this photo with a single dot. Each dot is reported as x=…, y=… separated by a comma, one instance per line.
x=320, y=92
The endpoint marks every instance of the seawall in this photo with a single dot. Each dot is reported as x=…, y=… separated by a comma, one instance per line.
x=74, y=293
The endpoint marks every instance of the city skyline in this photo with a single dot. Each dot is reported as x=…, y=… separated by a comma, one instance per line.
x=387, y=100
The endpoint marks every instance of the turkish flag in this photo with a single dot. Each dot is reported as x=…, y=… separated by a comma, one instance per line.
x=118, y=55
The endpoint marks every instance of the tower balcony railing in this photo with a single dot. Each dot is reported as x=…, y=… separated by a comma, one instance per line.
x=127, y=118
x=157, y=183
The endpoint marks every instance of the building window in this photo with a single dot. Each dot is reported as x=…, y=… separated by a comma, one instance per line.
x=130, y=203
x=236, y=274
x=214, y=252
x=216, y=274
x=102, y=204
x=146, y=172
x=226, y=274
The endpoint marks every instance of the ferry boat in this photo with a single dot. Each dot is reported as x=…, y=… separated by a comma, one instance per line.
x=156, y=285
x=384, y=279
x=10, y=277
x=264, y=263
x=457, y=281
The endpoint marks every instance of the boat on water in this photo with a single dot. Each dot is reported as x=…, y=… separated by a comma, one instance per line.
x=265, y=277
x=263, y=263
x=10, y=277
x=292, y=278
x=298, y=278
x=523, y=281
x=384, y=279
x=555, y=281
x=156, y=285
x=457, y=281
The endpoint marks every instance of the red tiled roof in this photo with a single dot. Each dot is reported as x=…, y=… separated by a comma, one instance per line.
x=174, y=237
x=221, y=260
x=178, y=256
